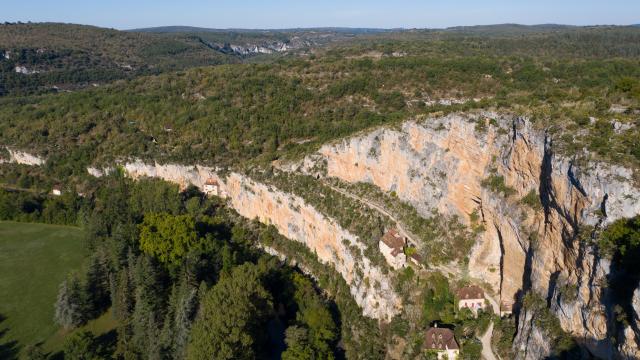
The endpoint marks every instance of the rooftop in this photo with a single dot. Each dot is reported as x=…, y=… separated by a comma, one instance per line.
x=211, y=181
x=440, y=339
x=393, y=239
x=470, y=292
x=415, y=256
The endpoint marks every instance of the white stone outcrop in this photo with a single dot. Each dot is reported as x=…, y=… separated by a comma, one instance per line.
x=22, y=157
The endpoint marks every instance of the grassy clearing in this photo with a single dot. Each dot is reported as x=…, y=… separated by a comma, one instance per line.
x=34, y=259
x=102, y=327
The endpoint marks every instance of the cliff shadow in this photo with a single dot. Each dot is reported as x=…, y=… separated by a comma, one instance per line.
x=9, y=349
x=623, y=279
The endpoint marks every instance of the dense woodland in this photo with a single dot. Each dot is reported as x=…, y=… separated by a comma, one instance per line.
x=229, y=115
x=165, y=263
x=63, y=57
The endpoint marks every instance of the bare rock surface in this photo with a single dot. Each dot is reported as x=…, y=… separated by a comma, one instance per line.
x=296, y=220
x=444, y=164
x=22, y=157
x=441, y=163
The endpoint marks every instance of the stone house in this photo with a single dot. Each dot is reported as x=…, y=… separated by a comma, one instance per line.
x=212, y=187
x=471, y=297
x=56, y=190
x=443, y=341
x=506, y=309
x=392, y=248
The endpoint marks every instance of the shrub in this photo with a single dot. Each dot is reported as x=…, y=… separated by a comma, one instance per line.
x=532, y=199
x=496, y=184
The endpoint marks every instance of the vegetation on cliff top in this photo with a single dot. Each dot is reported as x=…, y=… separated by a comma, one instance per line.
x=236, y=114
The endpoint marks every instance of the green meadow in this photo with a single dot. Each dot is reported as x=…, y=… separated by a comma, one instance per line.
x=34, y=259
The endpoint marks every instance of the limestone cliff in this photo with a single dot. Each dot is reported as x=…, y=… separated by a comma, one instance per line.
x=533, y=204
x=294, y=219
x=441, y=164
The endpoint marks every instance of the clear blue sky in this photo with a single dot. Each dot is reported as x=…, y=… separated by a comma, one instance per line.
x=127, y=14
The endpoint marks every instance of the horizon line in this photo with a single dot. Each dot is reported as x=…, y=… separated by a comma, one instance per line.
x=320, y=27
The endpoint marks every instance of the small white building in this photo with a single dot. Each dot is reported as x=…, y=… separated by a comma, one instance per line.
x=414, y=257
x=506, y=309
x=443, y=341
x=56, y=190
x=392, y=248
x=212, y=187
x=471, y=297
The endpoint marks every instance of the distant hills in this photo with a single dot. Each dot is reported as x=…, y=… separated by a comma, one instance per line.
x=57, y=57
x=478, y=29
x=43, y=57
x=192, y=29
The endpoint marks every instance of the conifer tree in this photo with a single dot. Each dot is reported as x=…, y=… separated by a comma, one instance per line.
x=69, y=304
x=97, y=283
x=232, y=316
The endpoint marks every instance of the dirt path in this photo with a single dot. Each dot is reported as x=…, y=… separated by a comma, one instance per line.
x=487, y=351
x=401, y=229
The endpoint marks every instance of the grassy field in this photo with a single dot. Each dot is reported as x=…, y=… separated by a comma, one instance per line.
x=34, y=259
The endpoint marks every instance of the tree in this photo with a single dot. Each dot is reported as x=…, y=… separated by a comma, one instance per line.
x=146, y=319
x=97, y=283
x=313, y=313
x=79, y=346
x=35, y=352
x=69, y=304
x=168, y=238
x=177, y=325
x=232, y=317
x=298, y=347
x=122, y=296
x=155, y=196
x=438, y=301
x=472, y=350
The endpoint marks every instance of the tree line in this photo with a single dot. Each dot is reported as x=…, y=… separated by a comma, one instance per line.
x=180, y=275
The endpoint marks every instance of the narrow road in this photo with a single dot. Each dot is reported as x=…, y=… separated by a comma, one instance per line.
x=380, y=209
x=487, y=351
x=17, y=188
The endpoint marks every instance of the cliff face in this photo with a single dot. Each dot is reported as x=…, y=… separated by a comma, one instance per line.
x=333, y=245
x=441, y=164
x=297, y=221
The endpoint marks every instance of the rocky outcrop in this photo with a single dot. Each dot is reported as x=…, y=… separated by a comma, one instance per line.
x=297, y=221
x=263, y=47
x=21, y=157
x=247, y=50
x=442, y=164
x=630, y=348
x=530, y=342
x=25, y=71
